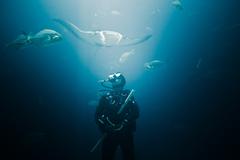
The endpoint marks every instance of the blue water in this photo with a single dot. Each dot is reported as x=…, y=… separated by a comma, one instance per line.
x=187, y=105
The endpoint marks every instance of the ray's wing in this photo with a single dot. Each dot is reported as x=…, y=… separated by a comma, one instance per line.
x=126, y=41
x=70, y=27
x=78, y=33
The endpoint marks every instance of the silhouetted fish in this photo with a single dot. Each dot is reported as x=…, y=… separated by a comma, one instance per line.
x=43, y=38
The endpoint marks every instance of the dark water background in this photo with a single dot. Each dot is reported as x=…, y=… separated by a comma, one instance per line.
x=186, y=112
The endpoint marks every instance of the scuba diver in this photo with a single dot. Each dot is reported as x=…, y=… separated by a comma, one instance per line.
x=116, y=116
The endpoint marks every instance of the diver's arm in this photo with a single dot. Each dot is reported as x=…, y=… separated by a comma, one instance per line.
x=99, y=115
x=133, y=112
x=129, y=118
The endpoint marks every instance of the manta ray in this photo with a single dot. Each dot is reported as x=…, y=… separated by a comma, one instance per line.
x=103, y=38
x=42, y=38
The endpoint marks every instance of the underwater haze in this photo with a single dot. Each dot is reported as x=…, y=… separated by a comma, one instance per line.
x=182, y=59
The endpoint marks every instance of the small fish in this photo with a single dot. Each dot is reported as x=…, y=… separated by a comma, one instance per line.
x=177, y=4
x=102, y=38
x=153, y=65
x=126, y=55
x=43, y=38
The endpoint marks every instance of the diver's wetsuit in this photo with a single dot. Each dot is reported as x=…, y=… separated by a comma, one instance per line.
x=108, y=107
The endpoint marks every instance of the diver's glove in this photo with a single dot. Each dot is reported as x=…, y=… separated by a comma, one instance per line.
x=110, y=127
x=121, y=126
